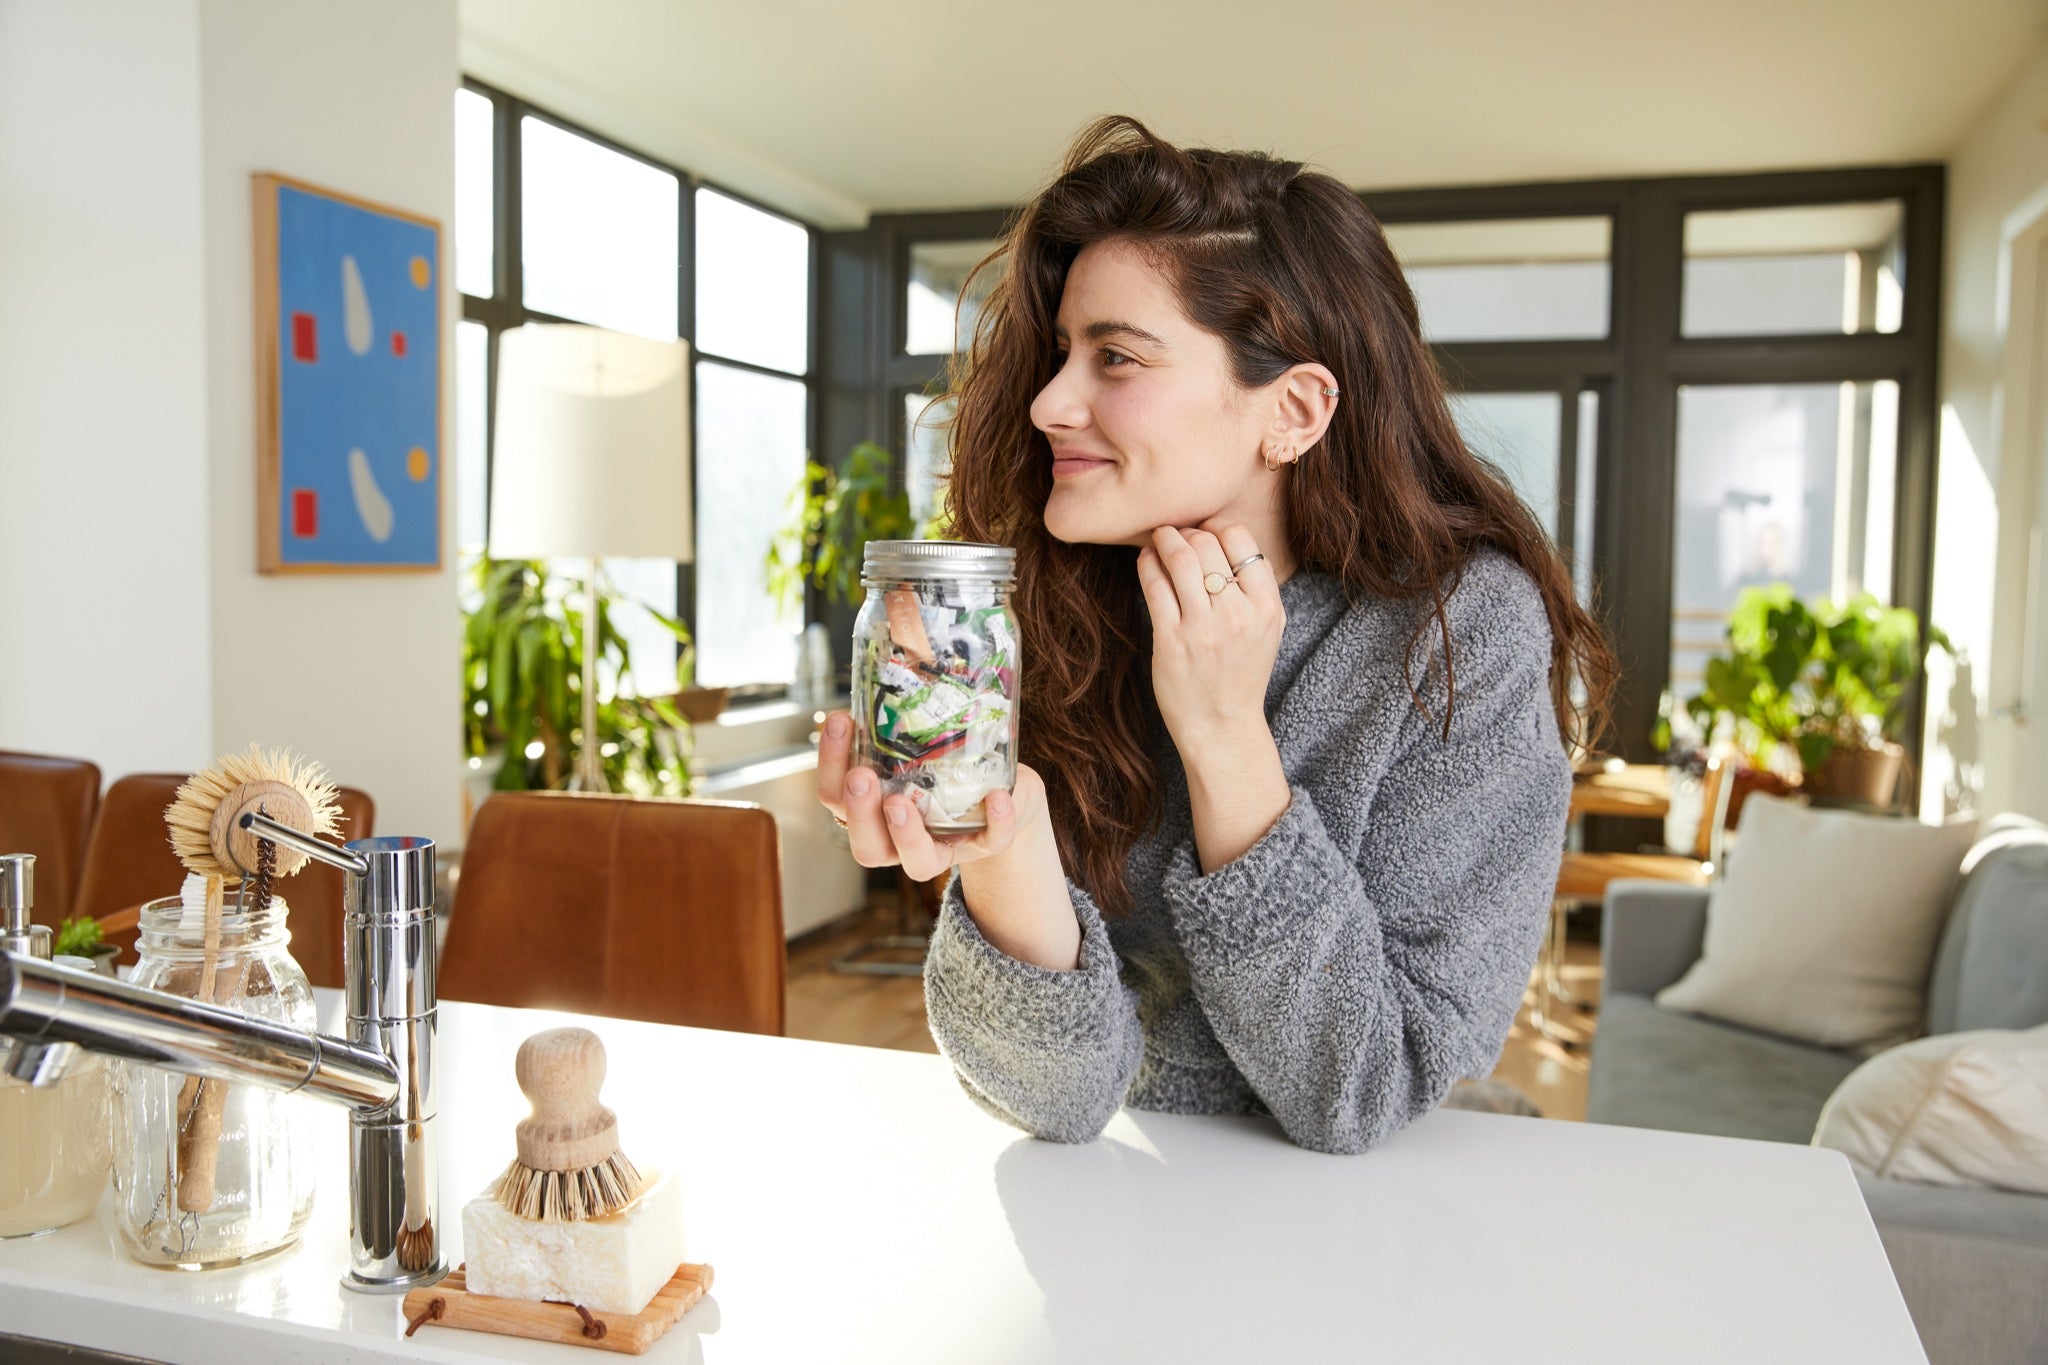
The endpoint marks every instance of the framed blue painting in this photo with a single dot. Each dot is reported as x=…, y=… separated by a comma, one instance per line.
x=348, y=355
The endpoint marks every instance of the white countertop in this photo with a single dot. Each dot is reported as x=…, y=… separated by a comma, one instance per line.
x=858, y=1207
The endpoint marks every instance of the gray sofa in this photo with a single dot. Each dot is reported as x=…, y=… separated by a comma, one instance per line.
x=1973, y=1264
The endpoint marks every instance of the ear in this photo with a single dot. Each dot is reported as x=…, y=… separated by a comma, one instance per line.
x=1302, y=402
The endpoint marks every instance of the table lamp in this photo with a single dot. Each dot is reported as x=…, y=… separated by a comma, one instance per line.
x=591, y=457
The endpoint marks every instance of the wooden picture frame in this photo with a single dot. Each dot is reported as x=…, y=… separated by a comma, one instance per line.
x=349, y=402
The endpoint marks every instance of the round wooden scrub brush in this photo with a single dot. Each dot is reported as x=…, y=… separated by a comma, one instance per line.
x=206, y=836
x=569, y=1166
x=204, y=819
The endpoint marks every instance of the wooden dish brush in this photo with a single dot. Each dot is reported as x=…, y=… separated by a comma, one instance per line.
x=207, y=837
x=569, y=1166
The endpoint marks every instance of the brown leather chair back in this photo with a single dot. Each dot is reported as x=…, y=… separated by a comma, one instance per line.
x=46, y=808
x=129, y=861
x=663, y=910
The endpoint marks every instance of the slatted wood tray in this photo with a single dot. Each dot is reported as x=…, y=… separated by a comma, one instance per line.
x=450, y=1304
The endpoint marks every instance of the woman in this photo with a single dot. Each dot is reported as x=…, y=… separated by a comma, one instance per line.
x=1298, y=668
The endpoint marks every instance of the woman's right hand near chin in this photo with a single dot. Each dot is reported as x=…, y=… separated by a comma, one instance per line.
x=1013, y=882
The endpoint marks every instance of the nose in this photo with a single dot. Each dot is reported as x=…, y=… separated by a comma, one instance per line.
x=1061, y=404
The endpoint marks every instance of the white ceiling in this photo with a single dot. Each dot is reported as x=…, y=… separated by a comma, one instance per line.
x=834, y=110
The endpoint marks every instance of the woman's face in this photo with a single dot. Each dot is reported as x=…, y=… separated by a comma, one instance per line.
x=1147, y=426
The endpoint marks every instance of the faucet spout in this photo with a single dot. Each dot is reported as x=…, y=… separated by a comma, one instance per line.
x=45, y=1008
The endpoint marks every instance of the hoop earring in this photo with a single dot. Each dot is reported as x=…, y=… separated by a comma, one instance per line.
x=1284, y=455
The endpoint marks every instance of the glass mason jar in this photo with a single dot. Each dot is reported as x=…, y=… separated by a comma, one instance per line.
x=935, y=667
x=180, y=1199
x=53, y=1149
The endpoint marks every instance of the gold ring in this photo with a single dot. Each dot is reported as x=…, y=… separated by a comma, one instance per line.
x=1217, y=582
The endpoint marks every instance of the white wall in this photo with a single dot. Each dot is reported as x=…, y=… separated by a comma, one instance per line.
x=1988, y=586
x=362, y=671
x=140, y=634
x=105, y=611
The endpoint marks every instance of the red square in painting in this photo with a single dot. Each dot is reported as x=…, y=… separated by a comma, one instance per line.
x=305, y=338
x=398, y=344
x=305, y=513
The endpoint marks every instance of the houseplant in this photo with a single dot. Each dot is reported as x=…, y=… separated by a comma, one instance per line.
x=833, y=514
x=522, y=659
x=1821, y=684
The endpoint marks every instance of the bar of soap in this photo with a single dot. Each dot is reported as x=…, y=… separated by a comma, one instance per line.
x=612, y=1265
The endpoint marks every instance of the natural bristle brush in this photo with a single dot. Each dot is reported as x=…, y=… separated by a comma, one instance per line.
x=569, y=1166
x=206, y=834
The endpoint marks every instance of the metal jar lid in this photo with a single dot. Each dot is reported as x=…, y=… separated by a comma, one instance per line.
x=952, y=560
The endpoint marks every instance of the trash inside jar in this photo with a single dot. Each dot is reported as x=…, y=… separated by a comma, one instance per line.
x=935, y=669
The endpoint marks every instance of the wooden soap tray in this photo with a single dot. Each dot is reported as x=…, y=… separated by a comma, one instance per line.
x=450, y=1304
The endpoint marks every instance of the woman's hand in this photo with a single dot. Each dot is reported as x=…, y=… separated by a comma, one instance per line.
x=1212, y=659
x=884, y=833
x=1212, y=653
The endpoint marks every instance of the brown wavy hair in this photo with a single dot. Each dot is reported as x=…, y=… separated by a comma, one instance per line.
x=1286, y=266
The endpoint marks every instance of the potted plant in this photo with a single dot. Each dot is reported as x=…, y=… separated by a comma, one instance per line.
x=833, y=514
x=522, y=670
x=1821, y=683
x=83, y=937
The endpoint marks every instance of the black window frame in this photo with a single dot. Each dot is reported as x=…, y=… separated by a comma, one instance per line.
x=506, y=309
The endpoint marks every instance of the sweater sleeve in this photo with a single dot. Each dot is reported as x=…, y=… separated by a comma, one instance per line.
x=1354, y=988
x=1052, y=1052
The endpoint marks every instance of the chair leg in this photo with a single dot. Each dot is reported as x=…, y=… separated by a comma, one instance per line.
x=1549, y=992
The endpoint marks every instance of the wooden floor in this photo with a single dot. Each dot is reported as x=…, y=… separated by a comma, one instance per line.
x=888, y=1011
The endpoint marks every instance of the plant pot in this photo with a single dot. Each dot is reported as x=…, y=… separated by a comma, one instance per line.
x=701, y=705
x=1747, y=780
x=1858, y=777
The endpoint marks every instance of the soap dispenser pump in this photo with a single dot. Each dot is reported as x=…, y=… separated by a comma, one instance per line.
x=17, y=899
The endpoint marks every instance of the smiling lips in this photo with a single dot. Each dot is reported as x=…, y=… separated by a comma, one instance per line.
x=1067, y=463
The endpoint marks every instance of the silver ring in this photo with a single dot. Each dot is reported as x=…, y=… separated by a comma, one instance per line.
x=1237, y=569
x=1216, y=582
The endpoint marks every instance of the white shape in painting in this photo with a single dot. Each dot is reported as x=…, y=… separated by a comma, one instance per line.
x=355, y=307
x=371, y=504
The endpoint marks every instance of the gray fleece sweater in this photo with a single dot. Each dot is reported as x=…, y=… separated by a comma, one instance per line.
x=1368, y=952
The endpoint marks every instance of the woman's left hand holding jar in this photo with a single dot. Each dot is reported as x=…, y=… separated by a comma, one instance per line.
x=1015, y=884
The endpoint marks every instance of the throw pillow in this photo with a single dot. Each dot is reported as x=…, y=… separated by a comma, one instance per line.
x=1953, y=1109
x=1824, y=927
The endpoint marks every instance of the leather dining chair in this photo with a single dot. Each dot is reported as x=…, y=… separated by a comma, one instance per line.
x=46, y=808
x=662, y=910
x=129, y=861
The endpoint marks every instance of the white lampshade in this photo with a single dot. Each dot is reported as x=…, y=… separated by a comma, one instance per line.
x=592, y=446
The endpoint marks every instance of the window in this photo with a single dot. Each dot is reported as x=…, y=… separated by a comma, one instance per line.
x=753, y=284
x=1807, y=269
x=1778, y=483
x=601, y=232
x=600, y=235
x=1514, y=279
x=939, y=318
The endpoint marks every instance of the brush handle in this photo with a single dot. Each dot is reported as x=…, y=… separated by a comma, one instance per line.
x=561, y=1071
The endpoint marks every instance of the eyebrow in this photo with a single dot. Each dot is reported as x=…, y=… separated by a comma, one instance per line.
x=1096, y=331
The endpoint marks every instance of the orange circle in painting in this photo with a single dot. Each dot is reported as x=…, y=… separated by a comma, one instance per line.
x=417, y=464
x=420, y=273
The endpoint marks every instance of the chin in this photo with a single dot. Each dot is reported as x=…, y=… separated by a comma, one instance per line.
x=1089, y=526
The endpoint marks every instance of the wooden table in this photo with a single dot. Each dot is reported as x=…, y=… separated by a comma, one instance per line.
x=1638, y=789
x=858, y=1207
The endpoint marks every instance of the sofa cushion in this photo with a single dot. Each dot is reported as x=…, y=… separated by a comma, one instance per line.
x=1992, y=970
x=1653, y=1068
x=1966, y=1109
x=1824, y=928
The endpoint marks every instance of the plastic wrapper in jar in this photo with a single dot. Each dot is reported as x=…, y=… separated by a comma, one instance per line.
x=935, y=670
